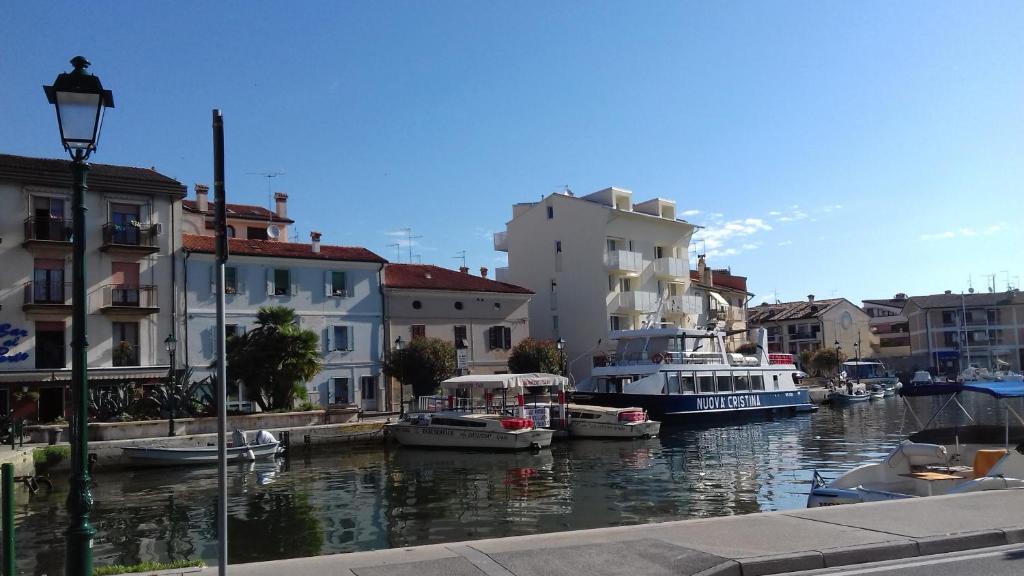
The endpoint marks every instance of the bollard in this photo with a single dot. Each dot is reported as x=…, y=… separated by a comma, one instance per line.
x=8, y=519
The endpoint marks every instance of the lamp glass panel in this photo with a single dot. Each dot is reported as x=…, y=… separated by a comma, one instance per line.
x=78, y=118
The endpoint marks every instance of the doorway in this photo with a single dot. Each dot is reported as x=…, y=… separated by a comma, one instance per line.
x=51, y=404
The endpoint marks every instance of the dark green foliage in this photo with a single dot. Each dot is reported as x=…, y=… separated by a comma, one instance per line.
x=535, y=356
x=114, y=403
x=191, y=398
x=422, y=364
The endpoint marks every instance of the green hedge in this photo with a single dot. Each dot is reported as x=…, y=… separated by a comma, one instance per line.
x=145, y=567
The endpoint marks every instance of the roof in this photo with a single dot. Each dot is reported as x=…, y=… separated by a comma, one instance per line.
x=241, y=211
x=801, y=310
x=270, y=248
x=979, y=299
x=54, y=172
x=430, y=277
x=891, y=302
x=722, y=279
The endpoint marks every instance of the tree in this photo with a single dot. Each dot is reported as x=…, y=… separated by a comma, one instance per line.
x=275, y=359
x=827, y=360
x=807, y=360
x=422, y=364
x=535, y=356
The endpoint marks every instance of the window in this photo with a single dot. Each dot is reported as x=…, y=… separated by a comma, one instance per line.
x=50, y=345
x=461, y=341
x=124, y=220
x=615, y=322
x=756, y=382
x=705, y=383
x=742, y=382
x=253, y=233
x=125, y=279
x=338, y=284
x=48, y=281
x=367, y=387
x=458, y=305
x=688, y=382
x=418, y=331
x=230, y=231
x=551, y=212
x=340, y=386
x=554, y=323
x=659, y=252
x=724, y=382
x=126, y=343
x=230, y=280
x=672, y=383
x=611, y=283
x=949, y=317
x=416, y=304
x=497, y=305
x=625, y=284
x=282, y=282
x=613, y=244
x=499, y=337
x=48, y=219
x=775, y=381
x=558, y=245
x=341, y=338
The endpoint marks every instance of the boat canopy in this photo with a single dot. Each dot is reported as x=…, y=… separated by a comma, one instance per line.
x=506, y=381
x=1013, y=389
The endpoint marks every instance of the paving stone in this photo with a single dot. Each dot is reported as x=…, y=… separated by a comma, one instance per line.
x=645, y=557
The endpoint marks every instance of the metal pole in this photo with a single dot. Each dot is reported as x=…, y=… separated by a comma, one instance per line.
x=222, y=376
x=8, y=513
x=171, y=396
x=80, y=532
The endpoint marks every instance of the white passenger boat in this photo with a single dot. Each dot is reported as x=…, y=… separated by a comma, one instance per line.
x=485, y=411
x=607, y=422
x=240, y=450
x=682, y=373
x=938, y=461
x=869, y=373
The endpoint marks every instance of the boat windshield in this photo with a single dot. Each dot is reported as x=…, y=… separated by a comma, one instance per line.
x=862, y=370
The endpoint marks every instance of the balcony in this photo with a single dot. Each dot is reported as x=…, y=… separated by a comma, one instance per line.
x=501, y=241
x=124, y=300
x=624, y=262
x=735, y=314
x=48, y=233
x=672, y=269
x=134, y=239
x=635, y=301
x=682, y=306
x=47, y=297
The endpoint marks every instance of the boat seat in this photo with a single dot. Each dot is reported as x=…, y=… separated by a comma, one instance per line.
x=985, y=459
x=920, y=454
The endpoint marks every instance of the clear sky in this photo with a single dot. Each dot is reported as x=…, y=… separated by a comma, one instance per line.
x=853, y=149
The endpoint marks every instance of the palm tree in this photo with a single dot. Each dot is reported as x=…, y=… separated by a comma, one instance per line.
x=275, y=359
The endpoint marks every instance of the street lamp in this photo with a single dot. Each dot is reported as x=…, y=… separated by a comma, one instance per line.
x=560, y=344
x=401, y=385
x=79, y=100
x=171, y=344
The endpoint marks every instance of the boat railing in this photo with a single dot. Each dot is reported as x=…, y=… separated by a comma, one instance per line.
x=637, y=359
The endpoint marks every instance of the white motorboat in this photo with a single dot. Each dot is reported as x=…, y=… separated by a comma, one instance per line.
x=938, y=461
x=240, y=450
x=857, y=396
x=486, y=411
x=607, y=422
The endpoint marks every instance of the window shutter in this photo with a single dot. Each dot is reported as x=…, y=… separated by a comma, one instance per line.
x=294, y=286
x=327, y=338
x=327, y=283
x=270, y=281
x=492, y=337
x=508, y=337
x=344, y=285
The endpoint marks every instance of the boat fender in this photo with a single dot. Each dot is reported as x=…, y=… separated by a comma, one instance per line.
x=657, y=357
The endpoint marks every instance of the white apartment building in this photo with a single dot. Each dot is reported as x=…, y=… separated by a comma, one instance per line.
x=598, y=263
x=132, y=233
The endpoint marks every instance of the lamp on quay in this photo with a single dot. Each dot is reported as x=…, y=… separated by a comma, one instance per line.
x=401, y=386
x=79, y=99
x=560, y=344
x=171, y=345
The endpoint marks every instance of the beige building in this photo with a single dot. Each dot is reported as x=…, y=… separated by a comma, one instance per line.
x=244, y=221
x=133, y=286
x=950, y=331
x=890, y=325
x=809, y=325
x=598, y=263
x=723, y=299
x=482, y=317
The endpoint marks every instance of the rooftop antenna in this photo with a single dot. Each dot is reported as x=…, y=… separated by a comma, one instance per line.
x=398, y=250
x=419, y=258
x=269, y=175
x=992, y=282
x=1006, y=274
x=461, y=255
x=409, y=239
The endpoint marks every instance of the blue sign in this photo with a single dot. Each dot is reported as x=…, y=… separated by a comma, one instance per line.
x=9, y=338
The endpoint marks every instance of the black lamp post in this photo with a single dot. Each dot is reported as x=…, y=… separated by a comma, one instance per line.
x=171, y=344
x=560, y=344
x=401, y=386
x=839, y=357
x=79, y=99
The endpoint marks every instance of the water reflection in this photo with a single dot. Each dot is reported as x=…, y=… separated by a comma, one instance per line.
x=371, y=498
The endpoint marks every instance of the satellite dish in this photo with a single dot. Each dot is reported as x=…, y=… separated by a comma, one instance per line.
x=273, y=232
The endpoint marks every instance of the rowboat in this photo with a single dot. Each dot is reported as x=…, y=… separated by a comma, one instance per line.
x=240, y=450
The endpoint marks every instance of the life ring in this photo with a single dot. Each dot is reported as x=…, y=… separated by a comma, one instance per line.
x=657, y=357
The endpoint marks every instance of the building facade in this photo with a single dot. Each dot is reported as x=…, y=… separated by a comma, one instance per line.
x=722, y=300
x=334, y=290
x=949, y=332
x=483, y=318
x=890, y=325
x=809, y=325
x=132, y=233
x=598, y=263
x=243, y=221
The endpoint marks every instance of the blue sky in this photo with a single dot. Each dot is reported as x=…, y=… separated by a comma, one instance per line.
x=853, y=149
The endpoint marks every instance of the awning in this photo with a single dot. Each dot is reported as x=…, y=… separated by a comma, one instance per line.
x=718, y=298
x=106, y=373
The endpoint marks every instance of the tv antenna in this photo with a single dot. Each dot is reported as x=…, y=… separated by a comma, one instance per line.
x=461, y=255
x=269, y=175
x=398, y=250
x=409, y=239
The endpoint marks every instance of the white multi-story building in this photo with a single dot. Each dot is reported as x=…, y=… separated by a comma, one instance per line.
x=598, y=263
x=132, y=233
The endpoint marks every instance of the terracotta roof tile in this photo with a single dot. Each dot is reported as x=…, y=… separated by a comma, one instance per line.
x=240, y=247
x=430, y=277
x=722, y=279
x=802, y=310
x=243, y=211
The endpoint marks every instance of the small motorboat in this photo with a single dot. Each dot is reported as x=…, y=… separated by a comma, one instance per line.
x=877, y=392
x=840, y=397
x=587, y=421
x=240, y=450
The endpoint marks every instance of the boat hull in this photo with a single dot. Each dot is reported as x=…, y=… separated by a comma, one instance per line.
x=197, y=456
x=700, y=405
x=455, y=437
x=588, y=429
x=849, y=398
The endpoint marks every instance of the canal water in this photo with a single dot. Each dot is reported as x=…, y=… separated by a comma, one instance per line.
x=345, y=500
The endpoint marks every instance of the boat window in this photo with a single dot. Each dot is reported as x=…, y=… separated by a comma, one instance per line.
x=724, y=382
x=456, y=422
x=705, y=383
x=756, y=382
x=775, y=381
x=583, y=415
x=672, y=383
x=742, y=382
x=689, y=382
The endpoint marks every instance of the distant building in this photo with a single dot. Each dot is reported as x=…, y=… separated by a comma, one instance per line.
x=244, y=221
x=482, y=318
x=334, y=290
x=809, y=325
x=132, y=284
x=722, y=299
x=950, y=331
x=890, y=325
x=598, y=263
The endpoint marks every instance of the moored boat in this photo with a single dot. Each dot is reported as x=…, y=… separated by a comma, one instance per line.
x=240, y=450
x=608, y=422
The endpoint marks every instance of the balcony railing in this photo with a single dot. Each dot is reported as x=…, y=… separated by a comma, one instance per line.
x=671, y=268
x=131, y=237
x=54, y=296
x=624, y=262
x=130, y=299
x=636, y=301
x=56, y=230
x=683, y=305
x=501, y=241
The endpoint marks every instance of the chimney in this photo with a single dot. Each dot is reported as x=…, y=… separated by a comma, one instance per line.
x=464, y=269
x=483, y=271
x=314, y=238
x=281, y=204
x=201, y=197
x=701, y=267
x=810, y=297
x=948, y=292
